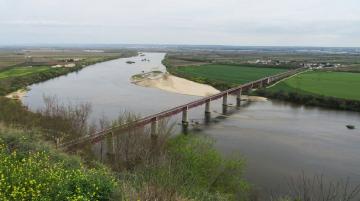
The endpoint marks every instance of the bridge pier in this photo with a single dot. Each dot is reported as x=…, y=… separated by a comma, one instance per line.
x=185, y=121
x=225, y=103
x=111, y=144
x=261, y=84
x=154, y=128
x=268, y=81
x=238, y=97
x=207, y=111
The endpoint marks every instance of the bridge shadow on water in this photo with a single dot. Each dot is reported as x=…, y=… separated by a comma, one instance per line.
x=196, y=126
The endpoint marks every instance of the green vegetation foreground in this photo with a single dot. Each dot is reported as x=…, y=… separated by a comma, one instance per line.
x=192, y=169
x=180, y=168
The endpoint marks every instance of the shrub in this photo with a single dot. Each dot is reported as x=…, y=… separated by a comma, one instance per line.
x=193, y=169
x=31, y=172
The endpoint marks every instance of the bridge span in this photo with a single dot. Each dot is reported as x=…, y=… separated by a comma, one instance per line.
x=153, y=119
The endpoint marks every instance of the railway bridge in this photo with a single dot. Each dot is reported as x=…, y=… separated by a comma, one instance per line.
x=154, y=119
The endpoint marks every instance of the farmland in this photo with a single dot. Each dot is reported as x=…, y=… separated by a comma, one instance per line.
x=342, y=85
x=48, y=57
x=224, y=76
x=236, y=74
x=335, y=89
x=22, y=71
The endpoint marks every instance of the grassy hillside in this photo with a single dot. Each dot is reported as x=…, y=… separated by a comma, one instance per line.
x=342, y=85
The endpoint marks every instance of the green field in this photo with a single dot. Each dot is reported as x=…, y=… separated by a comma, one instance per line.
x=21, y=71
x=233, y=74
x=334, y=84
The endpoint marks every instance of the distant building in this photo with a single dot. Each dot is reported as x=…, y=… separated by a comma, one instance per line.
x=70, y=65
x=57, y=66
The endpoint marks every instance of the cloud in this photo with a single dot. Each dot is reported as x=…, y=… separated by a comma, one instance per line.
x=231, y=22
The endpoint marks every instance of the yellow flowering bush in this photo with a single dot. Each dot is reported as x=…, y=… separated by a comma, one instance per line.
x=38, y=176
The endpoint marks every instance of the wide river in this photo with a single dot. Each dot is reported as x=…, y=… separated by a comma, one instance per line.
x=277, y=139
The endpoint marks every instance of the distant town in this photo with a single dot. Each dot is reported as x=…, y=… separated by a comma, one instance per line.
x=310, y=65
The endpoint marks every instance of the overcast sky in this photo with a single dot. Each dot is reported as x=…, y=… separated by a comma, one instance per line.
x=212, y=22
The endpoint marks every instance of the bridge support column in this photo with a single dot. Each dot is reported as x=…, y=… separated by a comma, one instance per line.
x=268, y=81
x=225, y=103
x=185, y=122
x=154, y=128
x=238, y=97
x=110, y=144
x=113, y=147
x=154, y=133
x=101, y=150
x=207, y=111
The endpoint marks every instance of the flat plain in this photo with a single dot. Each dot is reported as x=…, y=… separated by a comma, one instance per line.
x=22, y=71
x=232, y=74
x=343, y=85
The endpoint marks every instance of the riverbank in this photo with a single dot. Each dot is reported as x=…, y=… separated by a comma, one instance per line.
x=167, y=82
x=17, y=95
x=17, y=80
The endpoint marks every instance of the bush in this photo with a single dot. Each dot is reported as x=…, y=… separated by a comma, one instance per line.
x=29, y=172
x=192, y=168
x=61, y=121
x=203, y=167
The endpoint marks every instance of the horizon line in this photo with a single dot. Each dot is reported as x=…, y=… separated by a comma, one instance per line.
x=48, y=45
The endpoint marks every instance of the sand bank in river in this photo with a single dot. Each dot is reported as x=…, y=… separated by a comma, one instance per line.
x=179, y=85
x=174, y=84
x=254, y=98
x=17, y=95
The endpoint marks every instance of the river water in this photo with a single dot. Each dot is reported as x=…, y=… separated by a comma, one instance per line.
x=277, y=139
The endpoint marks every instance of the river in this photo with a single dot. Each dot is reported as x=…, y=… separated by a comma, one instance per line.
x=277, y=139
